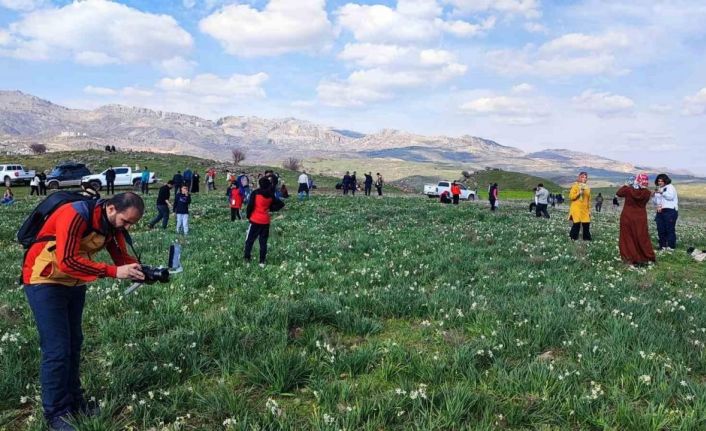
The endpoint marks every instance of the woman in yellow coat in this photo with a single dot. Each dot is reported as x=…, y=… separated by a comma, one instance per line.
x=580, y=208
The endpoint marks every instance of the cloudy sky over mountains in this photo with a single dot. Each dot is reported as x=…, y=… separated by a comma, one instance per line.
x=619, y=78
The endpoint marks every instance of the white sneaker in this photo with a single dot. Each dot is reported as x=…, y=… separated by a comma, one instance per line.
x=262, y=265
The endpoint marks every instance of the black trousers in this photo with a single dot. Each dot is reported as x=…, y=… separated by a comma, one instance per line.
x=541, y=211
x=255, y=231
x=599, y=205
x=492, y=204
x=456, y=197
x=367, y=189
x=145, y=187
x=110, y=186
x=379, y=190
x=586, y=227
x=35, y=189
x=42, y=188
x=235, y=214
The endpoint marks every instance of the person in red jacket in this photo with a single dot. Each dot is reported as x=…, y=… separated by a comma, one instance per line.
x=55, y=271
x=455, y=192
x=236, y=202
x=261, y=202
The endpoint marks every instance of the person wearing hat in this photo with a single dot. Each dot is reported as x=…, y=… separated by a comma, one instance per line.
x=634, y=243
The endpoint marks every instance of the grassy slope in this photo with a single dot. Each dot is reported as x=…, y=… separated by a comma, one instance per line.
x=363, y=303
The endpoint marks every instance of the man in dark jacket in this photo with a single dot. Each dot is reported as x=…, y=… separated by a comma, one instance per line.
x=110, y=181
x=163, y=206
x=42, y=183
x=178, y=180
x=354, y=183
x=368, y=183
x=346, y=182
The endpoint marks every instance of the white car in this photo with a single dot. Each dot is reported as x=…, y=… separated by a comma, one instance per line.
x=435, y=190
x=15, y=174
x=124, y=177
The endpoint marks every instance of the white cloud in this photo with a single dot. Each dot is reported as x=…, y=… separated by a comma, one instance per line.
x=96, y=32
x=522, y=88
x=94, y=58
x=508, y=109
x=374, y=85
x=99, y=91
x=412, y=21
x=188, y=3
x=603, y=103
x=696, y=104
x=527, y=8
x=371, y=55
x=568, y=55
x=535, y=27
x=576, y=42
x=177, y=66
x=282, y=26
x=209, y=85
x=22, y=5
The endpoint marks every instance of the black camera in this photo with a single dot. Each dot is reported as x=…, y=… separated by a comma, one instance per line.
x=155, y=274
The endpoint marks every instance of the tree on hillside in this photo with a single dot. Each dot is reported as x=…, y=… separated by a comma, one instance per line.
x=292, y=163
x=38, y=148
x=238, y=155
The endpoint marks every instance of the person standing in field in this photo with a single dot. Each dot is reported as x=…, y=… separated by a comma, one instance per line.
x=110, y=181
x=34, y=185
x=210, y=180
x=667, y=207
x=236, y=201
x=145, y=181
x=195, y=182
x=635, y=244
x=188, y=174
x=346, y=182
x=455, y=192
x=379, y=182
x=599, y=202
x=580, y=208
x=616, y=203
x=261, y=202
x=55, y=271
x=163, y=205
x=368, y=183
x=493, y=194
x=303, y=188
x=178, y=180
x=542, y=196
x=182, y=200
x=43, y=183
x=354, y=183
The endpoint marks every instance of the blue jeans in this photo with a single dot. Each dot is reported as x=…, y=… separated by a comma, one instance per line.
x=162, y=214
x=666, y=227
x=58, y=311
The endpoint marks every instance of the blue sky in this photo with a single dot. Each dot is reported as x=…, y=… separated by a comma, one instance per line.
x=622, y=78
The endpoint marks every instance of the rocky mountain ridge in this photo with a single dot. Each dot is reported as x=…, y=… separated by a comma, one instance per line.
x=27, y=119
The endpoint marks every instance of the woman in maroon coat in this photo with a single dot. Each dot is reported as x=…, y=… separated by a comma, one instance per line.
x=635, y=244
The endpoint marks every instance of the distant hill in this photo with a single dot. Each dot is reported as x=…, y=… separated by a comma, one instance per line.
x=506, y=180
x=26, y=119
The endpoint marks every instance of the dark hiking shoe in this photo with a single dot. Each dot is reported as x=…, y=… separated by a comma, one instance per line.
x=60, y=424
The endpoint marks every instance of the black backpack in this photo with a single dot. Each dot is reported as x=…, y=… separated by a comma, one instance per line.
x=27, y=235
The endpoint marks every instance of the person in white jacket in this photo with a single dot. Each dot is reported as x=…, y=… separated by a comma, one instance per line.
x=541, y=197
x=666, y=203
x=34, y=184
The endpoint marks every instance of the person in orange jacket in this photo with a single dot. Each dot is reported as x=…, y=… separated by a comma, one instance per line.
x=236, y=202
x=455, y=192
x=260, y=203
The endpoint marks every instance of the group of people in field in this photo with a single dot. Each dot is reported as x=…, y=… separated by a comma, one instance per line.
x=634, y=242
x=350, y=183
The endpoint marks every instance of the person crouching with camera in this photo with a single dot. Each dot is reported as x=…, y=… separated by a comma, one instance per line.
x=261, y=202
x=55, y=271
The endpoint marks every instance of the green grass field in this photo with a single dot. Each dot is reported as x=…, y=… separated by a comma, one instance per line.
x=396, y=313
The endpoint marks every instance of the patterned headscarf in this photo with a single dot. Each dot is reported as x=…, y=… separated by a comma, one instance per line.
x=643, y=180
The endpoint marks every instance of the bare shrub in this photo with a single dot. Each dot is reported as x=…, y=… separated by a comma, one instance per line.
x=292, y=163
x=38, y=148
x=238, y=155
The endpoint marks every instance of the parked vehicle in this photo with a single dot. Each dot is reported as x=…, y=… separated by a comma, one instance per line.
x=434, y=190
x=67, y=175
x=124, y=177
x=15, y=174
